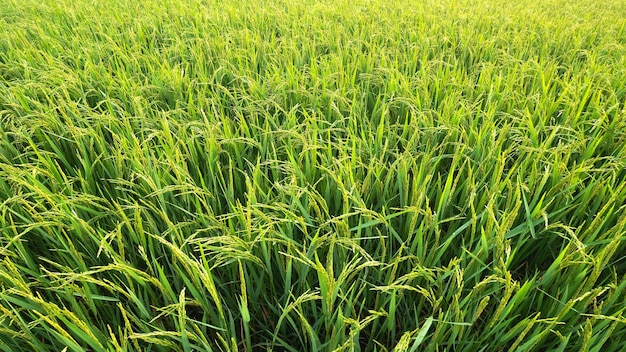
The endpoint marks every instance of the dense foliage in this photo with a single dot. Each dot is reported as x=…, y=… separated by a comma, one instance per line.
x=191, y=175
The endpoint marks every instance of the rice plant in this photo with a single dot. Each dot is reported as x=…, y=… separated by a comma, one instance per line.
x=309, y=175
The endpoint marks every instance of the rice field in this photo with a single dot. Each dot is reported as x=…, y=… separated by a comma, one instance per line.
x=312, y=175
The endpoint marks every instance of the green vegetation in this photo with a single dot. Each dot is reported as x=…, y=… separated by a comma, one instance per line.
x=300, y=175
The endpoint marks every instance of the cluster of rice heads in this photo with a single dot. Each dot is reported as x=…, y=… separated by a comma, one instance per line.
x=297, y=175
